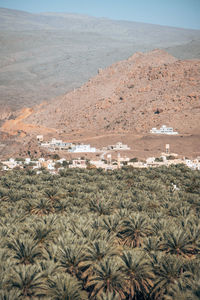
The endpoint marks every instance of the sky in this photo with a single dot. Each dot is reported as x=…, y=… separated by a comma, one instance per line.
x=178, y=13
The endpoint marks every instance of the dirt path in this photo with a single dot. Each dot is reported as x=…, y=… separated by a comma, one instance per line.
x=16, y=126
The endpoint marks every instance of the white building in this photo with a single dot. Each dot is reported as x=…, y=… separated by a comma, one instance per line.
x=50, y=166
x=150, y=160
x=12, y=160
x=5, y=168
x=54, y=143
x=27, y=160
x=118, y=146
x=11, y=163
x=82, y=149
x=45, y=145
x=137, y=164
x=163, y=130
x=192, y=164
x=40, y=138
x=98, y=164
x=61, y=160
x=40, y=163
x=41, y=159
x=59, y=143
x=164, y=158
x=78, y=163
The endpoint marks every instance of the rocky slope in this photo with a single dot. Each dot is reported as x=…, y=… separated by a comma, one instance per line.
x=135, y=95
x=43, y=56
x=127, y=98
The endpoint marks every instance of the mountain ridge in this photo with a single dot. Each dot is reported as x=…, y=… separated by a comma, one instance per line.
x=39, y=65
x=4, y=12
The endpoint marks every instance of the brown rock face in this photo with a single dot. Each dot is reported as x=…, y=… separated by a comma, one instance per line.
x=129, y=97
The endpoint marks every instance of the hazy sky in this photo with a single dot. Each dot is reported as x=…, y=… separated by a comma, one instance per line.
x=179, y=13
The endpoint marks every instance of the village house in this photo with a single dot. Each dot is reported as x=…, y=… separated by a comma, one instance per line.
x=82, y=149
x=118, y=146
x=150, y=160
x=192, y=164
x=27, y=161
x=138, y=164
x=10, y=164
x=59, y=143
x=163, y=130
x=98, y=163
x=167, y=158
x=105, y=164
x=78, y=163
x=40, y=138
x=55, y=144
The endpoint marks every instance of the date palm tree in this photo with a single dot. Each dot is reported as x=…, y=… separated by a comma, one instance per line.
x=177, y=242
x=194, y=233
x=48, y=268
x=40, y=207
x=69, y=258
x=64, y=286
x=100, y=207
x=50, y=252
x=117, y=234
x=179, y=291
x=4, y=198
x=62, y=205
x=95, y=253
x=107, y=278
x=133, y=230
x=138, y=273
x=9, y=295
x=52, y=194
x=88, y=231
x=43, y=232
x=196, y=289
x=24, y=250
x=109, y=296
x=110, y=223
x=168, y=271
x=152, y=244
x=27, y=280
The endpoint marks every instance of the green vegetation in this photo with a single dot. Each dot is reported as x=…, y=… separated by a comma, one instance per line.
x=20, y=159
x=55, y=156
x=159, y=159
x=134, y=159
x=170, y=157
x=90, y=234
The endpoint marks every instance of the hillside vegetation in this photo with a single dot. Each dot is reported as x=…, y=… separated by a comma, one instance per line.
x=90, y=234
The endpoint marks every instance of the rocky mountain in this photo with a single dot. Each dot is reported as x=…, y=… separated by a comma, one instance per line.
x=46, y=55
x=134, y=95
x=124, y=100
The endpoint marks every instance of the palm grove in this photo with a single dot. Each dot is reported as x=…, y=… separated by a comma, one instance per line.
x=91, y=234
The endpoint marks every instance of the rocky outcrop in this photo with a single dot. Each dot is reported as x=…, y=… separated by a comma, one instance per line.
x=127, y=95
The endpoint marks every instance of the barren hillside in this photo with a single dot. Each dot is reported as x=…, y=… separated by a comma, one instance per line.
x=43, y=56
x=123, y=102
x=135, y=95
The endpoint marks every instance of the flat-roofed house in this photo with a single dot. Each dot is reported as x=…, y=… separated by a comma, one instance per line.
x=82, y=148
x=163, y=130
